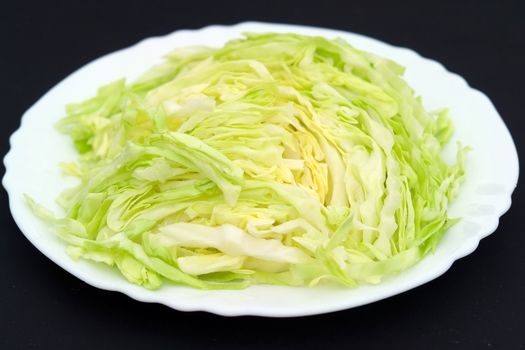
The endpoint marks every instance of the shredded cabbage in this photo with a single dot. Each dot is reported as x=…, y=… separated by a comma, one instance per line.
x=278, y=158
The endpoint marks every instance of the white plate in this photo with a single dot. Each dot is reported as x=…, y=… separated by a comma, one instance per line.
x=491, y=168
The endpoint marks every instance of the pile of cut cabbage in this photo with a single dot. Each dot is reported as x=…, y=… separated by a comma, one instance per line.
x=276, y=159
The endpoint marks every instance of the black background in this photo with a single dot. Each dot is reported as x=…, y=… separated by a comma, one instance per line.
x=478, y=304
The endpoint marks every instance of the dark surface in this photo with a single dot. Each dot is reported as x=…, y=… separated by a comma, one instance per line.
x=479, y=303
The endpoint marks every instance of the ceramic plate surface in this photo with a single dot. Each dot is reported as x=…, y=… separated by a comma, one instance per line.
x=491, y=168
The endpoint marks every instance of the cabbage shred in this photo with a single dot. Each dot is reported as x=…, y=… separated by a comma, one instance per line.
x=278, y=158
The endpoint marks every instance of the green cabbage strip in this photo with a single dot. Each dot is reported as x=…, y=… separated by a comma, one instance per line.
x=279, y=158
